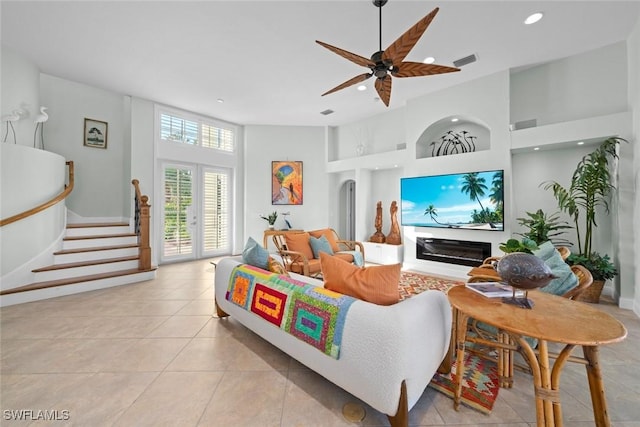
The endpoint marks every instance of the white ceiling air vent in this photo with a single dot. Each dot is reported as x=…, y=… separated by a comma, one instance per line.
x=326, y=112
x=465, y=61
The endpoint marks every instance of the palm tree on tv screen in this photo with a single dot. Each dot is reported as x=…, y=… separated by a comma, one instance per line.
x=433, y=213
x=474, y=186
x=497, y=192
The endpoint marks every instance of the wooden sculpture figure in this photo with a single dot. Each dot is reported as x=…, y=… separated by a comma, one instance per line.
x=393, y=238
x=378, y=236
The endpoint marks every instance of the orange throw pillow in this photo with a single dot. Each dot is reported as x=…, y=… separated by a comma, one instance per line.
x=326, y=232
x=378, y=284
x=274, y=266
x=299, y=242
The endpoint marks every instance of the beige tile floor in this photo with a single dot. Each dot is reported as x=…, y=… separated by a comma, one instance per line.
x=151, y=354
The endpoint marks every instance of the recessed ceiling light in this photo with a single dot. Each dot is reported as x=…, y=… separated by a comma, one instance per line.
x=429, y=60
x=536, y=149
x=362, y=87
x=533, y=18
x=220, y=100
x=455, y=119
x=581, y=143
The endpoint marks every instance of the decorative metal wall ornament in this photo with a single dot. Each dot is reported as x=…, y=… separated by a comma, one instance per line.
x=453, y=143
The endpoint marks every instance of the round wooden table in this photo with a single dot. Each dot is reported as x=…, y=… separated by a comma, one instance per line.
x=554, y=319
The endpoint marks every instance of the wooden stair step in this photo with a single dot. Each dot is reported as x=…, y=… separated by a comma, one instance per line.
x=73, y=280
x=98, y=224
x=99, y=236
x=84, y=264
x=94, y=249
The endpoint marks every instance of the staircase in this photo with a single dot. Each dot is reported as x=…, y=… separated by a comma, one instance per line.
x=93, y=256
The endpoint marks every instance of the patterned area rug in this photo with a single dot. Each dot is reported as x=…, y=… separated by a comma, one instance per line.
x=413, y=283
x=480, y=381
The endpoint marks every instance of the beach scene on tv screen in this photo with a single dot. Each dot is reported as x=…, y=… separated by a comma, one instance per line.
x=473, y=200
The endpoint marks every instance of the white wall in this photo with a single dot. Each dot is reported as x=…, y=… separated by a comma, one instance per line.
x=20, y=89
x=264, y=144
x=590, y=84
x=30, y=177
x=100, y=173
x=632, y=294
x=377, y=134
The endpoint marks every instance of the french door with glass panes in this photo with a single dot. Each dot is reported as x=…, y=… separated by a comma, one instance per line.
x=196, y=212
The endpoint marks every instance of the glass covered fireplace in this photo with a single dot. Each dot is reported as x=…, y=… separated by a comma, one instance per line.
x=462, y=252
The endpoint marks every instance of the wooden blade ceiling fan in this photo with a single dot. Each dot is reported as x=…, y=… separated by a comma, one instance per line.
x=390, y=62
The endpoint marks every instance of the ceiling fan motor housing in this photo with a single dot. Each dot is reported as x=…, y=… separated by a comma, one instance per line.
x=382, y=66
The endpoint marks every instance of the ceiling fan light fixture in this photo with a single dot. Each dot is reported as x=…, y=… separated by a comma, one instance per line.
x=388, y=63
x=533, y=18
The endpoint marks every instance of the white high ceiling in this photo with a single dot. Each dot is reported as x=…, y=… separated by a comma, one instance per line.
x=262, y=59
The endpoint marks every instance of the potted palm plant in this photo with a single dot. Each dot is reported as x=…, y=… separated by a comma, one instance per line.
x=590, y=187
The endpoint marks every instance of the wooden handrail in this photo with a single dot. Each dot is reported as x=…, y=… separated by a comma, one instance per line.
x=67, y=189
x=142, y=209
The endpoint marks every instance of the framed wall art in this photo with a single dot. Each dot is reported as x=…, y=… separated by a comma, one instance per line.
x=286, y=182
x=95, y=133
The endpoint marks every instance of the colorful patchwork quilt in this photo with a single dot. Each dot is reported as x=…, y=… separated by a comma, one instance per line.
x=313, y=314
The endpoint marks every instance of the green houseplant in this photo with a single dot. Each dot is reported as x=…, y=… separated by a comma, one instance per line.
x=543, y=227
x=590, y=188
x=525, y=245
x=271, y=218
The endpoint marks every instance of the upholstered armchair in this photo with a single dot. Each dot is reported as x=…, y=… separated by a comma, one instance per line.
x=300, y=251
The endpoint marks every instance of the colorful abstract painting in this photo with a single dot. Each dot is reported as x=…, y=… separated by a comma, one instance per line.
x=286, y=182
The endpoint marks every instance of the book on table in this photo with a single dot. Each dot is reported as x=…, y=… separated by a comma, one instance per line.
x=494, y=289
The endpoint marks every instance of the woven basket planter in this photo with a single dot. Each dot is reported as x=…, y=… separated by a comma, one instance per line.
x=592, y=293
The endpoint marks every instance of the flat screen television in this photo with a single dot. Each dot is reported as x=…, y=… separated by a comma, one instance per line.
x=470, y=201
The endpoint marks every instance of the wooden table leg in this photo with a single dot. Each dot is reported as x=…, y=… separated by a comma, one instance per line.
x=445, y=365
x=596, y=386
x=461, y=335
x=555, y=379
x=544, y=391
x=541, y=419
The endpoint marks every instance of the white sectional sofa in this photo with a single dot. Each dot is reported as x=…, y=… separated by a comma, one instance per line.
x=388, y=354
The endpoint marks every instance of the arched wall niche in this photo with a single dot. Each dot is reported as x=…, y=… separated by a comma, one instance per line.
x=453, y=135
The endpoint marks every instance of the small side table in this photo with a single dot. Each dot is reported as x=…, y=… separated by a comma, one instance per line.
x=554, y=319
